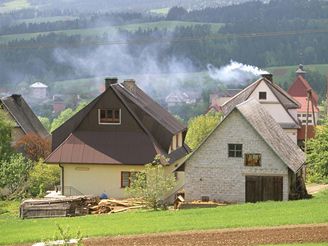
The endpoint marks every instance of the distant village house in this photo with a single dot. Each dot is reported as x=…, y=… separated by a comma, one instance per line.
x=38, y=90
x=25, y=121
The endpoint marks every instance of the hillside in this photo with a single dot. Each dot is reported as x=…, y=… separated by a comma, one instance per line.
x=111, y=5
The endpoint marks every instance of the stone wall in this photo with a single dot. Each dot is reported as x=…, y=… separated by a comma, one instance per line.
x=210, y=172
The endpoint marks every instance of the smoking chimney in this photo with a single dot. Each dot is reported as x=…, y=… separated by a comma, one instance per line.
x=300, y=71
x=267, y=76
x=109, y=82
x=130, y=85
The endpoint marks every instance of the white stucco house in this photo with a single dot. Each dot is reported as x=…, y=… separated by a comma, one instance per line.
x=247, y=158
x=278, y=103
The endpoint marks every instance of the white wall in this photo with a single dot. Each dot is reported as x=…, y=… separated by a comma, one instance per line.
x=210, y=172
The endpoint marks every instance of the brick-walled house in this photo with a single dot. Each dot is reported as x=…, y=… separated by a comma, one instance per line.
x=247, y=158
x=120, y=131
x=279, y=104
x=25, y=121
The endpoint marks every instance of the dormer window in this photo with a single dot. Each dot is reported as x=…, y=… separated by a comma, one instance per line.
x=109, y=116
x=262, y=95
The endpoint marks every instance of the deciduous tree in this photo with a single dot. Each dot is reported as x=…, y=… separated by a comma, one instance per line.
x=33, y=146
x=199, y=128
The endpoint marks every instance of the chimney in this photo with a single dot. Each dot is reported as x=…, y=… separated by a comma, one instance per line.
x=300, y=71
x=267, y=76
x=130, y=85
x=109, y=82
x=17, y=98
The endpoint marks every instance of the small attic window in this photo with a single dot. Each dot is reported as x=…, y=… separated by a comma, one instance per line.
x=262, y=95
x=109, y=116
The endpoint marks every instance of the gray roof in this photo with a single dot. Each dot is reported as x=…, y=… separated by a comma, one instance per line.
x=23, y=114
x=272, y=134
x=287, y=101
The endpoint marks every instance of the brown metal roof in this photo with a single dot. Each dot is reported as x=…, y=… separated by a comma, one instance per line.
x=24, y=116
x=84, y=147
x=72, y=144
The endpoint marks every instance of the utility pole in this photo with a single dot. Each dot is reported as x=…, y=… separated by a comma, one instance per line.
x=327, y=96
x=308, y=96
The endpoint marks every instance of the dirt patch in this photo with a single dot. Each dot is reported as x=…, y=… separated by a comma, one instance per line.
x=315, y=188
x=256, y=236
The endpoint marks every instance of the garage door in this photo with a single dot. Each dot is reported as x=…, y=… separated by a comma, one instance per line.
x=264, y=188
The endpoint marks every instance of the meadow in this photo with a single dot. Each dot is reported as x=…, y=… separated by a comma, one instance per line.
x=144, y=221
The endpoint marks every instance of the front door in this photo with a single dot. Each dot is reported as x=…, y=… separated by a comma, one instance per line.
x=264, y=188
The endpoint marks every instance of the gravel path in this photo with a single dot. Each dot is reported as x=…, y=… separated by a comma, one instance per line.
x=256, y=236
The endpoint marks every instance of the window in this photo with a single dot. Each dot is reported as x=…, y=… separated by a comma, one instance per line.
x=109, y=116
x=304, y=115
x=262, y=95
x=252, y=160
x=235, y=150
x=126, y=178
x=299, y=115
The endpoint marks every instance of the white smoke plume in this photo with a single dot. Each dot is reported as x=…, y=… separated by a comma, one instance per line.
x=119, y=61
x=234, y=73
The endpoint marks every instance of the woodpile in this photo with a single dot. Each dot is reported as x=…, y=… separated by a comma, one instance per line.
x=180, y=203
x=108, y=206
x=57, y=207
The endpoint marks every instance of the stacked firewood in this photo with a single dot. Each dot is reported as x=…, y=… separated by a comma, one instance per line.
x=108, y=206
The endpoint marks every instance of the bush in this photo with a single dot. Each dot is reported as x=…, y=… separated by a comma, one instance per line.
x=42, y=178
x=151, y=184
x=14, y=173
x=317, y=156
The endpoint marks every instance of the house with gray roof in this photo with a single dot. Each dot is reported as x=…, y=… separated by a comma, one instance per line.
x=248, y=157
x=25, y=121
x=278, y=103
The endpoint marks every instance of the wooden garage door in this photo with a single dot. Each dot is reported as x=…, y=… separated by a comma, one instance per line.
x=264, y=188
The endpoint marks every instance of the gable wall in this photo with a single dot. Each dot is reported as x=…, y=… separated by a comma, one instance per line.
x=209, y=172
x=276, y=110
x=108, y=101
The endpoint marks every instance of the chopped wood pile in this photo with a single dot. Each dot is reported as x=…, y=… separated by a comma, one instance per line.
x=180, y=203
x=57, y=207
x=108, y=206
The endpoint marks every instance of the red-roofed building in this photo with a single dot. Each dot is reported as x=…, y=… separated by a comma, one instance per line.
x=299, y=90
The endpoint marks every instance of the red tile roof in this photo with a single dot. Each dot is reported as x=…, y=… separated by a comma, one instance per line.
x=300, y=87
x=303, y=102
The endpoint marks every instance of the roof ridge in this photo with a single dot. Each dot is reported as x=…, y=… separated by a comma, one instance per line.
x=242, y=91
x=267, y=117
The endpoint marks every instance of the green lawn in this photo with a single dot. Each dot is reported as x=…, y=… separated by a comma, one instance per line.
x=14, y=5
x=234, y=216
x=170, y=25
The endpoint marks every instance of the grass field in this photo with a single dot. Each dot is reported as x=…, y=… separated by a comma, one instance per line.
x=138, y=222
x=45, y=19
x=169, y=25
x=281, y=74
x=14, y=5
x=162, y=11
